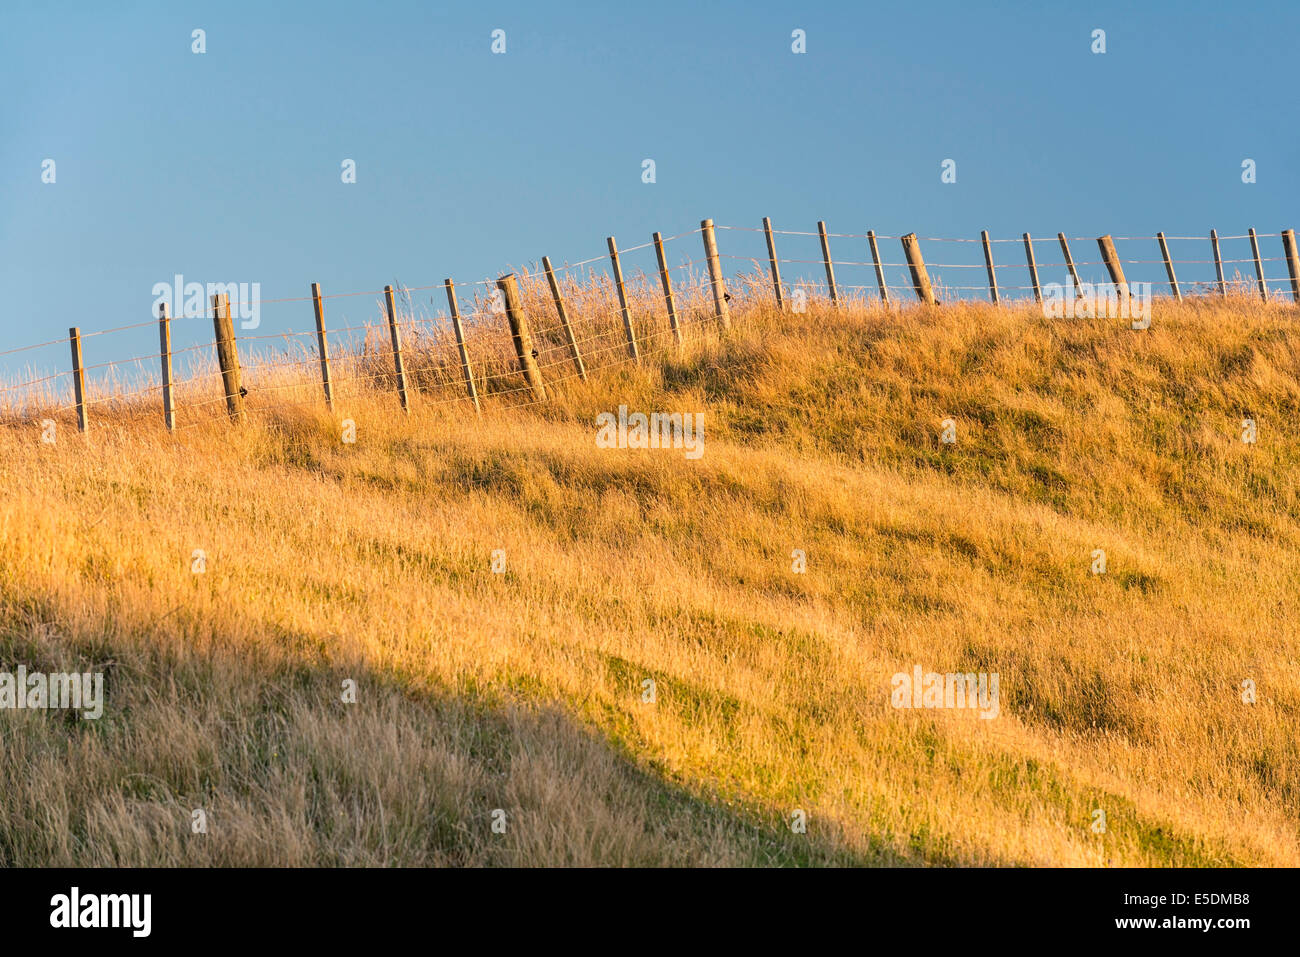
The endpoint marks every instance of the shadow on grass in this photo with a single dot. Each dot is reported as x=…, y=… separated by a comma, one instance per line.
x=254, y=733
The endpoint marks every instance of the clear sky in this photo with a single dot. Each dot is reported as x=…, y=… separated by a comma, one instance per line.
x=226, y=165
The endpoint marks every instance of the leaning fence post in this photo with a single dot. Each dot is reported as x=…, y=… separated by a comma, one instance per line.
x=826, y=259
x=78, y=379
x=880, y=270
x=460, y=345
x=988, y=262
x=228, y=357
x=916, y=265
x=1169, y=266
x=1259, y=266
x=323, y=345
x=398, y=365
x=632, y=350
x=564, y=318
x=1218, y=263
x=666, y=282
x=1033, y=269
x=1113, y=266
x=720, y=310
x=776, y=267
x=165, y=351
x=1292, y=262
x=1069, y=264
x=527, y=355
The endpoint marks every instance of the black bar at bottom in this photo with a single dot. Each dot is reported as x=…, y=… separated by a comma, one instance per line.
x=945, y=908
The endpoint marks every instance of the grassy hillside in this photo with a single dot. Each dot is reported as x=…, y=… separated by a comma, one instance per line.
x=522, y=691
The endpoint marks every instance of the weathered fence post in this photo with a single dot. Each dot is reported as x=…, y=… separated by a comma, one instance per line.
x=323, y=344
x=916, y=265
x=1069, y=264
x=1033, y=269
x=563, y=313
x=460, y=345
x=509, y=287
x=1218, y=263
x=633, y=352
x=776, y=266
x=666, y=282
x=1113, y=266
x=988, y=263
x=1292, y=262
x=228, y=357
x=720, y=310
x=398, y=365
x=880, y=270
x=1169, y=267
x=1259, y=266
x=826, y=259
x=78, y=379
x=165, y=352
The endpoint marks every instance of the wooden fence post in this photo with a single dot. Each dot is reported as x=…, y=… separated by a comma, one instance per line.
x=78, y=379
x=1113, y=266
x=165, y=351
x=1069, y=264
x=563, y=313
x=720, y=310
x=776, y=266
x=633, y=353
x=1033, y=269
x=228, y=357
x=880, y=270
x=666, y=282
x=1292, y=262
x=1169, y=267
x=988, y=262
x=323, y=345
x=1218, y=263
x=460, y=345
x=826, y=259
x=509, y=287
x=398, y=365
x=916, y=265
x=1259, y=266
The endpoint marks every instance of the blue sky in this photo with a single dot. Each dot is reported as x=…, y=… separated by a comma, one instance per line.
x=225, y=166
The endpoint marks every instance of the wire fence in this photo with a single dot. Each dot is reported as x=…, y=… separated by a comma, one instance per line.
x=277, y=370
x=1174, y=265
x=580, y=318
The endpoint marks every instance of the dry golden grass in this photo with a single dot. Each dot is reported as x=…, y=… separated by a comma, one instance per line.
x=522, y=691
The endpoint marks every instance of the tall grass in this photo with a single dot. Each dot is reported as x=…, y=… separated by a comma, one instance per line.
x=523, y=691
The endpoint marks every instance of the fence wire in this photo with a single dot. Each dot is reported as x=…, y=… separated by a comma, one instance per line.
x=276, y=367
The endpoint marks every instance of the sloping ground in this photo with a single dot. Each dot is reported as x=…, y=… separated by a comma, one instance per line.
x=523, y=691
